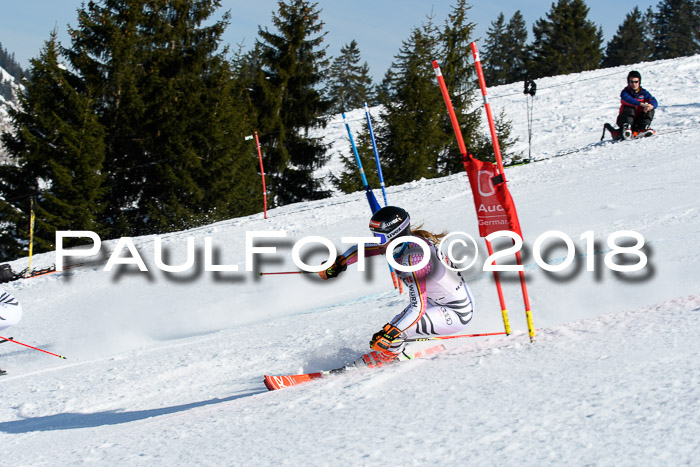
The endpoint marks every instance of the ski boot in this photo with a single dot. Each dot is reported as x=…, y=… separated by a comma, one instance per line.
x=645, y=132
x=626, y=132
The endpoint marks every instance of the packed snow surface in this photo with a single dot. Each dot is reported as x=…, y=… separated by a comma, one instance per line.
x=166, y=368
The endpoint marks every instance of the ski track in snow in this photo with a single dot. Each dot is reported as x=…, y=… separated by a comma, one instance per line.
x=167, y=368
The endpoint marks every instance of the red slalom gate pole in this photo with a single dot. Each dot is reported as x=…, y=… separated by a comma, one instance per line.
x=451, y=111
x=262, y=174
x=501, y=299
x=526, y=299
x=465, y=157
x=35, y=348
x=499, y=160
x=489, y=115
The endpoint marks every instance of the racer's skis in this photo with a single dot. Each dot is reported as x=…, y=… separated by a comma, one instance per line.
x=370, y=360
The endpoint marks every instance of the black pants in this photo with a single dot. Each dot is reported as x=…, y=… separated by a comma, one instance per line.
x=638, y=119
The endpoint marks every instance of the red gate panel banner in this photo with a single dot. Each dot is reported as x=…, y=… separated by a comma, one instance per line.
x=494, y=206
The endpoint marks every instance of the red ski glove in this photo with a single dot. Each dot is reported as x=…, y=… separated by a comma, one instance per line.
x=340, y=265
x=382, y=340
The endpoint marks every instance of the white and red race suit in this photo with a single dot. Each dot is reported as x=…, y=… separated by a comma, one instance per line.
x=10, y=310
x=441, y=303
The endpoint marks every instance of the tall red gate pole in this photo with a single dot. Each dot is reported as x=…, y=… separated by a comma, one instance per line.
x=489, y=115
x=262, y=174
x=465, y=158
x=499, y=160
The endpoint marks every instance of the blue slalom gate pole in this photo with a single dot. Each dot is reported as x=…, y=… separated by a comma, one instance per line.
x=373, y=204
x=397, y=282
x=376, y=154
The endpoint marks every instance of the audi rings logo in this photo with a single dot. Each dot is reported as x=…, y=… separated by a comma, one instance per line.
x=485, y=185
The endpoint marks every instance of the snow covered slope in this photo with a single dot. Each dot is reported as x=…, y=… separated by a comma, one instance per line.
x=167, y=368
x=4, y=105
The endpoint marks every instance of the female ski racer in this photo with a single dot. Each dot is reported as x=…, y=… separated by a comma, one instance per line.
x=441, y=302
x=10, y=313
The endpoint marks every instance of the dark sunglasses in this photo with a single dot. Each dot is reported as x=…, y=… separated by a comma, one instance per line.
x=634, y=81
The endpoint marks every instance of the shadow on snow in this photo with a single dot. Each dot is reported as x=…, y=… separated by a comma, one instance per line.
x=70, y=421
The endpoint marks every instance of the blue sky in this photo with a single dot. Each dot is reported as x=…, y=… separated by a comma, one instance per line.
x=378, y=26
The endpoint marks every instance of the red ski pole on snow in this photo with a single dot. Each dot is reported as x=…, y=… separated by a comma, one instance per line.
x=284, y=272
x=460, y=336
x=11, y=339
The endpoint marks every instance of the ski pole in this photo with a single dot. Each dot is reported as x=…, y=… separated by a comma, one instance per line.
x=35, y=348
x=460, y=336
x=371, y=199
x=284, y=272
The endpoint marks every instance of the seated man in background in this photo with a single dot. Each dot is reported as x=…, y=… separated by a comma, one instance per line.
x=637, y=109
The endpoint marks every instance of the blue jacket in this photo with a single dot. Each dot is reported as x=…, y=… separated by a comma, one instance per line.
x=633, y=99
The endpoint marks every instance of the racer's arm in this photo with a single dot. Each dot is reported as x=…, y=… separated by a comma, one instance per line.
x=349, y=257
x=416, y=282
x=351, y=253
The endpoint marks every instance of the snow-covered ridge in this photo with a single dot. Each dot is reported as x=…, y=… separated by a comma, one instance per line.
x=4, y=105
x=167, y=368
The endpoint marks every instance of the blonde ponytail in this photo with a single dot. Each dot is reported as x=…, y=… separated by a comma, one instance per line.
x=428, y=235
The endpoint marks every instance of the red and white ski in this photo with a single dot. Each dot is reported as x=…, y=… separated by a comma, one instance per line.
x=370, y=360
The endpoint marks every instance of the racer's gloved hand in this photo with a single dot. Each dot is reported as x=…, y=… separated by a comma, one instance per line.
x=340, y=265
x=382, y=340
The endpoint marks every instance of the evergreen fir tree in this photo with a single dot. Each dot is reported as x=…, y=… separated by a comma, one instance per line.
x=676, y=29
x=516, y=43
x=414, y=132
x=505, y=54
x=649, y=28
x=495, y=59
x=289, y=102
x=506, y=140
x=631, y=43
x=166, y=99
x=411, y=131
x=58, y=147
x=461, y=81
x=566, y=41
x=350, y=179
x=350, y=85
